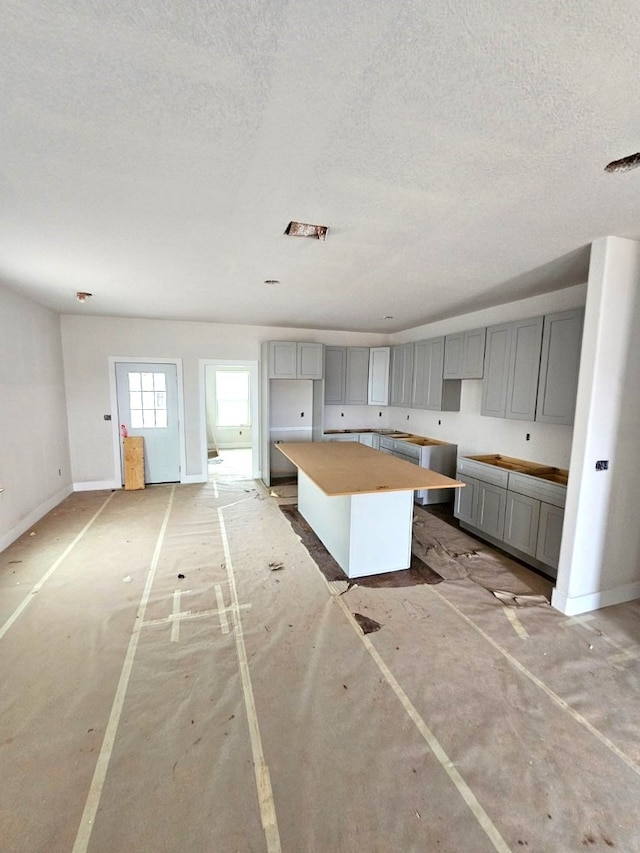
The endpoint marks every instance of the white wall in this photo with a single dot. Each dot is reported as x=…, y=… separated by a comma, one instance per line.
x=35, y=469
x=600, y=556
x=474, y=434
x=89, y=341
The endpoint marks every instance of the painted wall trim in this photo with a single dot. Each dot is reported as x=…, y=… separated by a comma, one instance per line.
x=34, y=516
x=594, y=600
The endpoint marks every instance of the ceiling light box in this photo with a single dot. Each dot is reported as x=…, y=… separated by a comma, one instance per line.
x=303, y=229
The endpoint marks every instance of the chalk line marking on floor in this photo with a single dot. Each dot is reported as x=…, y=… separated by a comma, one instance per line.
x=102, y=764
x=518, y=627
x=45, y=577
x=557, y=700
x=224, y=622
x=432, y=742
x=175, y=623
x=263, y=779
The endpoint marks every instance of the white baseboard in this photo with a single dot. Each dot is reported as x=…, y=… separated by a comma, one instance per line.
x=96, y=486
x=594, y=600
x=33, y=517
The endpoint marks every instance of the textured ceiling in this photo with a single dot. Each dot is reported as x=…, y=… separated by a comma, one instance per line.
x=153, y=153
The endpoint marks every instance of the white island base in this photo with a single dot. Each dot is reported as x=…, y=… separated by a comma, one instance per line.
x=366, y=534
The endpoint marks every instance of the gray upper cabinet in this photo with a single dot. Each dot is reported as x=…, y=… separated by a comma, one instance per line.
x=295, y=360
x=559, y=367
x=357, y=376
x=511, y=366
x=430, y=389
x=401, y=375
x=379, y=376
x=526, y=339
x=496, y=371
x=346, y=375
x=464, y=355
x=335, y=365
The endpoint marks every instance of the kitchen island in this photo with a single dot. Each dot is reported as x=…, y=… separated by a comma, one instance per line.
x=359, y=502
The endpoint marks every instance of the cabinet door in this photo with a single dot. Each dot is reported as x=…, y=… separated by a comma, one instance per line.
x=521, y=523
x=310, y=361
x=282, y=359
x=464, y=506
x=334, y=374
x=472, y=355
x=559, y=367
x=435, y=380
x=549, y=534
x=421, y=365
x=379, y=376
x=496, y=371
x=401, y=375
x=490, y=509
x=524, y=368
x=453, y=356
x=357, y=376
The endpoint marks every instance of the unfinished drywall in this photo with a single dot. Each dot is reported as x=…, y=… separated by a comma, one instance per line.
x=89, y=341
x=547, y=443
x=35, y=470
x=600, y=557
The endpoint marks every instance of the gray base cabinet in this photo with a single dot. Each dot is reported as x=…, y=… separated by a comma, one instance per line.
x=434, y=454
x=519, y=513
x=521, y=523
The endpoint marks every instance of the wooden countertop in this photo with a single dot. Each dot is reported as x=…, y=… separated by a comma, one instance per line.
x=349, y=468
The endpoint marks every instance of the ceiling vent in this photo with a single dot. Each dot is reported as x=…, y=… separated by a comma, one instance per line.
x=302, y=229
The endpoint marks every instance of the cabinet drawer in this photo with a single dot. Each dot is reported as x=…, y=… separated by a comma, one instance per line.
x=486, y=473
x=387, y=444
x=535, y=487
x=405, y=448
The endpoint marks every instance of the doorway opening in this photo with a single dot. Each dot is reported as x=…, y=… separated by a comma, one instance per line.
x=230, y=416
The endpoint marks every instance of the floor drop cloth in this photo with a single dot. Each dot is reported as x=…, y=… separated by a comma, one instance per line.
x=455, y=727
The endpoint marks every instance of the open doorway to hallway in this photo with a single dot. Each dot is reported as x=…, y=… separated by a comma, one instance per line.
x=231, y=419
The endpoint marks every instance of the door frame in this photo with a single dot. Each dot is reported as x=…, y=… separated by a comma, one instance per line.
x=115, y=426
x=254, y=402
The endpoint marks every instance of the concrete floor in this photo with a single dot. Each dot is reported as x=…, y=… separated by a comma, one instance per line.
x=178, y=676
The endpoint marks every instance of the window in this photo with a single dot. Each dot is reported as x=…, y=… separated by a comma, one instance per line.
x=148, y=400
x=232, y=398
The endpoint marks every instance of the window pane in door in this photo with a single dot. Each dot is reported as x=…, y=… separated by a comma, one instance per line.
x=147, y=381
x=136, y=418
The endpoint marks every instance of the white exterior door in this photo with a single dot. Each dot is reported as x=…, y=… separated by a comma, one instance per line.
x=148, y=406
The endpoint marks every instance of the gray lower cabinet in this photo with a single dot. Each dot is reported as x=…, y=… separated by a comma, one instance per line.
x=464, y=355
x=521, y=513
x=491, y=504
x=549, y=534
x=401, y=375
x=559, y=367
x=430, y=389
x=521, y=523
x=465, y=500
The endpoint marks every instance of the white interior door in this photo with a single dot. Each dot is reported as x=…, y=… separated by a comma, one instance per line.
x=148, y=406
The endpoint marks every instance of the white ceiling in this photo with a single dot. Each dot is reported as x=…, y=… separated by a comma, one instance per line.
x=153, y=153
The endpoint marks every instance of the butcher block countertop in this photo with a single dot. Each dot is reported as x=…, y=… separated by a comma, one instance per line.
x=348, y=468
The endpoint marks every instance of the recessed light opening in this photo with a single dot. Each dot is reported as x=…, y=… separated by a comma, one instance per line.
x=625, y=164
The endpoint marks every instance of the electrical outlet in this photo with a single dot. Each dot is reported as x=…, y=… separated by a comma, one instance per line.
x=602, y=465
x=439, y=423
x=407, y=417
x=527, y=436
